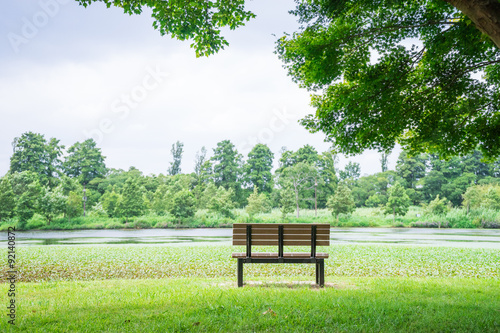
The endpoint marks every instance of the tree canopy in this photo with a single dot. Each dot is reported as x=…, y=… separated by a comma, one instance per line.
x=423, y=91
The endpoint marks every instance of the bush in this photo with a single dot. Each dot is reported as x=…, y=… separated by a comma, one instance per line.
x=114, y=225
x=36, y=222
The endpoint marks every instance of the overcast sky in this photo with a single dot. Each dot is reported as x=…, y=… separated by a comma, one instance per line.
x=72, y=73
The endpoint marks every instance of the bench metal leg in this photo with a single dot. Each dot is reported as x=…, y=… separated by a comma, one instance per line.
x=321, y=273
x=240, y=272
x=317, y=273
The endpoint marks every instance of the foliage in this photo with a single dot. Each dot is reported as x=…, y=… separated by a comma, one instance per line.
x=74, y=206
x=227, y=167
x=424, y=96
x=257, y=203
x=132, y=203
x=258, y=168
x=51, y=204
x=222, y=202
x=342, y=201
x=183, y=205
x=84, y=162
x=33, y=153
x=110, y=202
x=299, y=177
x=486, y=196
x=7, y=199
x=175, y=166
x=398, y=201
x=438, y=206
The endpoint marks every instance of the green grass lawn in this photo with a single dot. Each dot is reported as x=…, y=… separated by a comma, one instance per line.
x=217, y=305
x=371, y=288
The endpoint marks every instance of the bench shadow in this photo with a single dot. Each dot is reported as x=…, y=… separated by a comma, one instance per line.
x=290, y=285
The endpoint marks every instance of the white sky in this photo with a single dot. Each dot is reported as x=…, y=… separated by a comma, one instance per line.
x=71, y=73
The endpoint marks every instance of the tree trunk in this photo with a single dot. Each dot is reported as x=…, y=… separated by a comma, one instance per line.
x=484, y=13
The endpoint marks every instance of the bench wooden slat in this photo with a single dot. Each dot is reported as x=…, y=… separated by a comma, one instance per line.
x=285, y=255
x=285, y=237
x=270, y=242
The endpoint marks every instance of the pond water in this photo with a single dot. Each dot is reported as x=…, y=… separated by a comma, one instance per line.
x=471, y=238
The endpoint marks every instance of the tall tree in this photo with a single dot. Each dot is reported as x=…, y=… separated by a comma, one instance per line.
x=84, y=162
x=424, y=96
x=384, y=159
x=398, y=201
x=227, y=166
x=342, y=201
x=132, y=203
x=300, y=178
x=411, y=168
x=258, y=168
x=351, y=171
x=199, y=160
x=33, y=153
x=175, y=166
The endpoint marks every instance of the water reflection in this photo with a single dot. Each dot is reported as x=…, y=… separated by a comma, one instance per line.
x=477, y=238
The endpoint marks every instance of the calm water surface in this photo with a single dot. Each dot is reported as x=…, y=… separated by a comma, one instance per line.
x=471, y=238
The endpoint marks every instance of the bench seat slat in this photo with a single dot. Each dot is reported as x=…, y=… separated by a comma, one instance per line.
x=319, y=255
x=270, y=242
x=285, y=237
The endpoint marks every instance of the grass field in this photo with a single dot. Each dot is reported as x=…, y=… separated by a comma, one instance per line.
x=371, y=288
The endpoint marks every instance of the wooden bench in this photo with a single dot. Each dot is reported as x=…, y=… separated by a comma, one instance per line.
x=281, y=235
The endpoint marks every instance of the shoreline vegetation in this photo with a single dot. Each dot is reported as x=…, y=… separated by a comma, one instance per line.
x=361, y=217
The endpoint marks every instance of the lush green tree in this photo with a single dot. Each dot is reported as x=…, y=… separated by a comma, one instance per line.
x=257, y=203
x=424, y=96
x=33, y=153
x=84, y=162
x=384, y=159
x=300, y=178
x=7, y=199
x=74, y=205
x=199, y=21
x=110, y=202
x=51, y=204
x=222, y=202
x=328, y=174
x=438, y=206
x=258, y=168
x=398, y=201
x=411, y=168
x=209, y=192
x=227, y=168
x=492, y=198
x=307, y=154
x=287, y=201
x=132, y=203
x=351, y=171
x=375, y=200
x=175, y=166
x=183, y=205
x=342, y=201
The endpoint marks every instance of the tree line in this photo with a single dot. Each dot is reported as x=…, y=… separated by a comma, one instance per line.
x=48, y=179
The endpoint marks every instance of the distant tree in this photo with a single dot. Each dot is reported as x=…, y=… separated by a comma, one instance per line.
x=52, y=204
x=258, y=168
x=300, y=178
x=257, y=203
x=375, y=200
x=398, y=201
x=7, y=199
x=342, y=201
x=33, y=153
x=222, y=202
x=84, y=162
x=209, y=192
x=438, y=206
x=200, y=159
x=74, y=205
x=287, y=201
x=132, y=203
x=183, y=205
x=175, y=166
x=351, y=171
x=411, y=168
x=492, y=198
x=328, y=174
x=227, y=168
x=110, y=202
x=307, y=154
x=27, y=190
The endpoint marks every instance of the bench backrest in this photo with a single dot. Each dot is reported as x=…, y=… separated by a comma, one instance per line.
x=271, y=234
